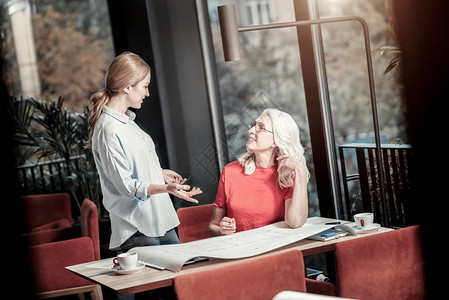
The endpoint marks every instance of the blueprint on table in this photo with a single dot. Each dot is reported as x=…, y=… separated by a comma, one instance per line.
x=238, y=245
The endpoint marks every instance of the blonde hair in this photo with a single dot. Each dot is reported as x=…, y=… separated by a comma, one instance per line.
x=287, y=140
x=125, y=70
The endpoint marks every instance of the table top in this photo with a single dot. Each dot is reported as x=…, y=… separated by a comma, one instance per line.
x=150, y=278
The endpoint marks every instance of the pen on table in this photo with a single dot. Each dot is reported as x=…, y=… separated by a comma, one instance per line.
x=332, y=223
x=155, y=267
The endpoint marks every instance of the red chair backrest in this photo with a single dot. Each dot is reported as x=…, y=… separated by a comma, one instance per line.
x=48, y=262
x=194, y=222
x=261, y=277
x=75, y=245
x=44, y=209
x=382, y=266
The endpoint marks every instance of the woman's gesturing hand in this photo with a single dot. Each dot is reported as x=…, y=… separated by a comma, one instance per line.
x=172, y=177
x=288, y=162
x=182, y=191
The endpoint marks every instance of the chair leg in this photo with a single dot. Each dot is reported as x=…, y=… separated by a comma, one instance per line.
x=94, y=291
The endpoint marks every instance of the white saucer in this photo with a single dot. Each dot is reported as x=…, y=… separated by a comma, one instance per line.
x=120, y=271
x=370, y=228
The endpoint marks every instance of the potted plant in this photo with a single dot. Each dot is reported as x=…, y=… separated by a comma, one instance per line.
x=46, y=131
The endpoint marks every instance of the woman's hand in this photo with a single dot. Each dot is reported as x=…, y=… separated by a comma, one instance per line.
x=288, y=162
x=296, y=207
x=182, y=191
x=172, y=177
x=227, y=226
x=220, y=224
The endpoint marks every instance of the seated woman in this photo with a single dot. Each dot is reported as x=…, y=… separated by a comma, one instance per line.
x=267, y=184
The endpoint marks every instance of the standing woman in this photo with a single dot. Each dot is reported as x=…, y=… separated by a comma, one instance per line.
x=268, y=183
x=135, y=188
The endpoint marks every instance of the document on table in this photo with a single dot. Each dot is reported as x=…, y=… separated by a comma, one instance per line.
x=238, y=245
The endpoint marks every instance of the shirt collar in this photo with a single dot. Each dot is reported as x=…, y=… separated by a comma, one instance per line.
x=124, y=118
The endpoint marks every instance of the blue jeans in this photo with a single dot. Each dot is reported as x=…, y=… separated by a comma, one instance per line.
x=139, y=240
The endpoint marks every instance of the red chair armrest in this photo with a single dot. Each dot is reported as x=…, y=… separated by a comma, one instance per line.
x=54, y=235
x=58, y=224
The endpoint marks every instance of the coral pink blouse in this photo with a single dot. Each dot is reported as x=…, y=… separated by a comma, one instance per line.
x=254, y=200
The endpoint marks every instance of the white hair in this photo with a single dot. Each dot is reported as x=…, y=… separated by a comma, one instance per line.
x=287, y=140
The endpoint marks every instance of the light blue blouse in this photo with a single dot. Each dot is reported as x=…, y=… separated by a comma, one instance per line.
x=127, y=163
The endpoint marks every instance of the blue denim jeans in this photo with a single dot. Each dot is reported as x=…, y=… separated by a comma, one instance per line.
x=139, y=240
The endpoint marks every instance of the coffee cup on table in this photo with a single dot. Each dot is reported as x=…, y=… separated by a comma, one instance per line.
x=126, y=261
x=364, y=220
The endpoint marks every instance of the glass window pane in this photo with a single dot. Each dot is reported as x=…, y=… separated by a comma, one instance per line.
x=347, y=72
x=268, y=76
x=347, y=76
x=55, y=48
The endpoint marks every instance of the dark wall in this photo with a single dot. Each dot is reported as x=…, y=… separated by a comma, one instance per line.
x=423, y=29
x=177, y=115
x=13, y=219
x=131, y=32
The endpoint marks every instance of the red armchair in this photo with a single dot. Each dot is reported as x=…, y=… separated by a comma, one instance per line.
x=194, y=222
x=47, y=211
x=261, y=277
x=50, y=251
x=382, y=266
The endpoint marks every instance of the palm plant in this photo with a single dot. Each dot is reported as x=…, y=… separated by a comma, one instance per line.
x=48, y=131
x=395, y=53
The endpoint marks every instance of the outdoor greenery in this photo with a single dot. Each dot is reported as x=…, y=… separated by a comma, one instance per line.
x=73, y=45
x=72, y=63
x=46, y=131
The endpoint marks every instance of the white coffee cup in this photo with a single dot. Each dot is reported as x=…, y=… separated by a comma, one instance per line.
x=364, y=220
x=126, y=261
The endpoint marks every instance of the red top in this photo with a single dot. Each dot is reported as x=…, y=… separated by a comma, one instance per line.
x=254, y=200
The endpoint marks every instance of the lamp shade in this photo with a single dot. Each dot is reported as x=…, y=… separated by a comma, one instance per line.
x=229, y=32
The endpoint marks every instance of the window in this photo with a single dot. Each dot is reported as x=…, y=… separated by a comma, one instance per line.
x=55, y=48
x=347, y=74
x=270, y=75
x=347, y=77
x=259, y=12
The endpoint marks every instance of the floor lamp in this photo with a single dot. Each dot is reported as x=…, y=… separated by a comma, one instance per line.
x=231, y=49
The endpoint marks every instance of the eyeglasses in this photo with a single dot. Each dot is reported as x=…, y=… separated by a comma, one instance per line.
x=259, y=127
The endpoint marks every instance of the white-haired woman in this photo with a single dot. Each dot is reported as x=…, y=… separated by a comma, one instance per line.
x=268, y=183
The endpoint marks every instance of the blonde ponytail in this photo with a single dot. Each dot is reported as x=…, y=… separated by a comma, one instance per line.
x=98, y=101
